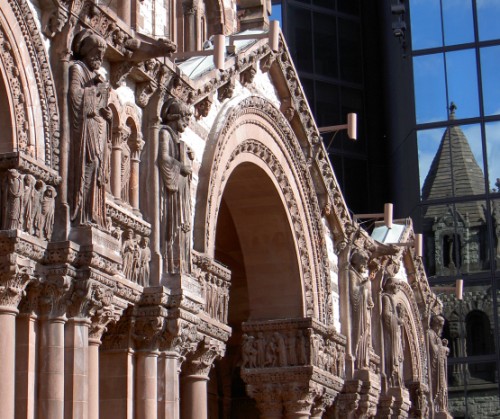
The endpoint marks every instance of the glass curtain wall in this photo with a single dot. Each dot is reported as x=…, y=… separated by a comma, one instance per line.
x=456, y=61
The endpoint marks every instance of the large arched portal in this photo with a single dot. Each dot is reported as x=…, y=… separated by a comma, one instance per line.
x=254, y=240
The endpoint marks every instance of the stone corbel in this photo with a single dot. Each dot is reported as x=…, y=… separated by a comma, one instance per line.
x=247, y=76
x=202, y=108
x=267, y=62
x=120, y=72
x=287, y=108
x=226, y=91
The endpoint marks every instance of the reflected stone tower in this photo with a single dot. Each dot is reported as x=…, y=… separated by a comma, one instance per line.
x=456, y=233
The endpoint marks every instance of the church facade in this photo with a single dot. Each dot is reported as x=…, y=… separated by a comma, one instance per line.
x=174, y=243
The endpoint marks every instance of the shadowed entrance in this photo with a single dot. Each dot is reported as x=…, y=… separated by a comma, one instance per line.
x=255, y=241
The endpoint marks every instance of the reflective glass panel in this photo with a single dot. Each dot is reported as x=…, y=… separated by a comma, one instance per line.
x=300, y=38
x=490, y=75
x=350, y=50
x=467, y=159
x=488, y=16
x=430, y=88
x=426, y=24
x=428, y=145
x=327, y=104
x=325, y=41
x=461, y=72
x=456, y=238
x=348, y=6
x=492, y=130
x=457, y=21
x=495, y=218
x=330, y=4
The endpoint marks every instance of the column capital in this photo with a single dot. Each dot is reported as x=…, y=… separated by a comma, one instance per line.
x=136, y=147
x=149, y=325
x=55, y=296
x=120, y=135
x=12, y=289
x=268, y=398
x=201, y=361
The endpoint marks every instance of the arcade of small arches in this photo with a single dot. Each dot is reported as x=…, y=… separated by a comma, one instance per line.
x=179, y=248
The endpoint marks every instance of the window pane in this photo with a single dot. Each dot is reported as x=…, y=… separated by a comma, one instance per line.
x=462, y=82
x=325, y=40
x=458, y=23
x=456, y=238
x=492, y=130
x=490, y=65
x=488, y=16
x=495, y=216
x=300, y=38
x=350, y=51
x=425, y=24
x=430, y=89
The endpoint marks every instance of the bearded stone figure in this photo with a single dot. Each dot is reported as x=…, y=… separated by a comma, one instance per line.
x=362, y=305
x=174, y=164
x=90, y=130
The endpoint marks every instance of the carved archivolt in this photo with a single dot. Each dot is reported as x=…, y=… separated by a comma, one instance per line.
x=16, y=67
x=275, y=144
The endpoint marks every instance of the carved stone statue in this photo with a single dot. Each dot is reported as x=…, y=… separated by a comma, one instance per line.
x=14, y=195
x=144, y=265
x=129, y=254
x=393, y=337
x=47, y=208
x=362, y=305
x=438, y=352
x=89, y=121
x=174, y=164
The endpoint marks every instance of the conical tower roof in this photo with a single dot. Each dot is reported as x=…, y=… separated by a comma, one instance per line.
x=454, y=172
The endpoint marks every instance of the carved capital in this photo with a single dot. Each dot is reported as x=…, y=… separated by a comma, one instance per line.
x=136, y=147
x=201, y=361
x=268, y=398
x=100, y=320
x=120, y=135
x=181, y=337
x=55, y=296
x=148, y=326
x=12, y=289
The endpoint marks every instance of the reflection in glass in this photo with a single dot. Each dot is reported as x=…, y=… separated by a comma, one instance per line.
x=350, y=51
x=451, y=161
x=492, y=130
x=300, y=38
x=488, y=16
x=458, y=23
x=426, y=24
x=430, y=88
x=456, y=238
x=461, y=74
x=325, y=55
x=495, y=217
x=490, y=64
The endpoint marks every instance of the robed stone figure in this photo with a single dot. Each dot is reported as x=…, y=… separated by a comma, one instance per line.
x=438, y=353
x=362, y=305
x=89, y=121
x=174, y=164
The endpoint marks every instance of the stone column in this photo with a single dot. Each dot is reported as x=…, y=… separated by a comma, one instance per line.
x=194, y=380
x=168, y=385
x=190, y=32
x=135, y=159
x=76, y=364
x=51, y=374
x=120, y=134
x=11, y=291
x=124, y=11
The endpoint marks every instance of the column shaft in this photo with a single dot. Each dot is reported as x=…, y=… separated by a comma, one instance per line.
x=116, y=171
x=26, y=346
x=116, y=384
x=134, y=183
x=93, y=385
x=7, y=364
x=146, y=385
x=168, y=386
x=194, y=397
x=51, y=383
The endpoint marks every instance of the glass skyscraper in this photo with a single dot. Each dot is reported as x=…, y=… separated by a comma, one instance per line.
x=423, y=76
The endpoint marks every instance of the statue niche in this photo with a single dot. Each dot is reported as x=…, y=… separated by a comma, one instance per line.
x=174, y=163
x=90, y=119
